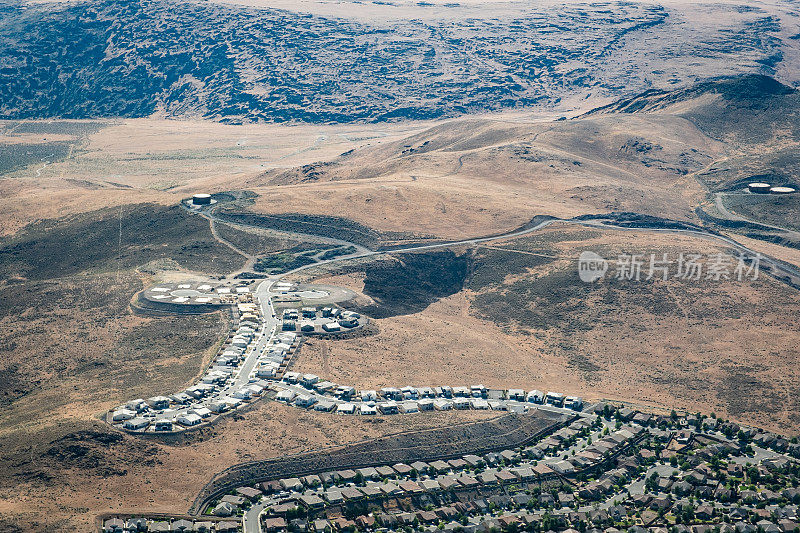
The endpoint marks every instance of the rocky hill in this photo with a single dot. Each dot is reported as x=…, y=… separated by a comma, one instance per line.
x=750, y=109
x=227, y=63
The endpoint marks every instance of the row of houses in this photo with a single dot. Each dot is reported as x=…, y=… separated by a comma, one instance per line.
x=469, y=489
x=213, y=393
x=399, y=480
x=326, y=396
x=457, y=495
x=145, y=525
x=332, y=319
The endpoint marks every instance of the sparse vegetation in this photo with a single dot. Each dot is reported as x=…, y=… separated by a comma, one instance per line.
x=509, y=313
x=337, y=252
x=781, y=211
x=91, y=241
x=254, y=243
x=408, y=283
x=281, y=262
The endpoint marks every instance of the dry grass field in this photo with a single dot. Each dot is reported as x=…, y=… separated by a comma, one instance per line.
x=61, y=476
x=111, y=163
x=508, y=313
x=476, y=177
x=529, y=322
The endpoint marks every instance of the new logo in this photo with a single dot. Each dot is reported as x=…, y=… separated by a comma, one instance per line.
x=591, y=266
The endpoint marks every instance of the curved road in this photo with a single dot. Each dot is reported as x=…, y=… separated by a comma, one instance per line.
x=776, y=265
x=722, y=208
x=250, y=519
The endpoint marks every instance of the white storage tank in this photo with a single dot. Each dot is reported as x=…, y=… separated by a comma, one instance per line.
x=201, y=199
x=759, y=188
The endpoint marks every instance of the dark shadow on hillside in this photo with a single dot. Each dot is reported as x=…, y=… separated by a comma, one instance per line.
x=408, y=283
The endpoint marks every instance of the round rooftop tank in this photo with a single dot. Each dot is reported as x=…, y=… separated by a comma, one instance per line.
x=760, y=188
x=201, y=199
x=782, y=190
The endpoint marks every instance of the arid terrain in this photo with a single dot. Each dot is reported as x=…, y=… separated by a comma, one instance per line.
x=519, y=315
x=318, y=63
x=381, y=124
x=507, y=313
x=76, y=469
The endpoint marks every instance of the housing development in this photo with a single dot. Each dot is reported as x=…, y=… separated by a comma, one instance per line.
x=413, y=266
x=577, y=466
x=601, y=468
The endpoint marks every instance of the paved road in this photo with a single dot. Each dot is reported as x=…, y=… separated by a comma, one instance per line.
x=433, y=246
x=270, y=324
x=777, y=266
x=250, y=523
x=268, y=327
x=250, y=519
x=310, y=237
x=722, y=208
x=759, y=454
x=362, y=252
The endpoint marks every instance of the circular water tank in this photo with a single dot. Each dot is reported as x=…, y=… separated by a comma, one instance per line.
x=782, y=190
x=760, y=188
x=201, y=199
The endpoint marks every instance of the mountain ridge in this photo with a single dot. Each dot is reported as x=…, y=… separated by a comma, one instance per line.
x=234, y=64
x=752, y=109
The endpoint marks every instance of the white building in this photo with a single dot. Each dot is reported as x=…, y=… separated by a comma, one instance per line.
x=368, y=409
x=202, y=412
x=285, y=396
x=479, y=404
x=409, y=407
x=189, y=420
x=535, y=396
x=516, y=394
x=442, y=404
x=243, y=394
x=555, y=398
x=137, y=405
x=346, y=408
x=122, y=414
x=304, y=400
x=426, y=404
x=461, y=403
x=369, y=395
x=218, y=406
x=136, y=424
x=326, y=406
x=158, y=402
